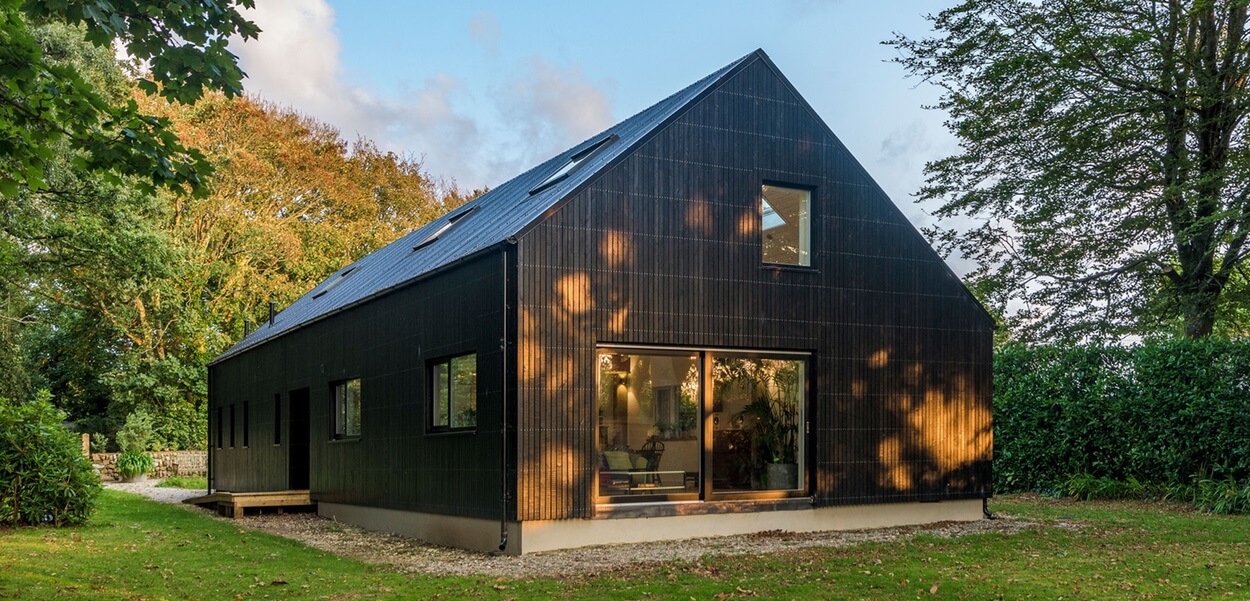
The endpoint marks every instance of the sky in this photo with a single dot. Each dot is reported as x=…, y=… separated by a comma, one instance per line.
x=482, y=91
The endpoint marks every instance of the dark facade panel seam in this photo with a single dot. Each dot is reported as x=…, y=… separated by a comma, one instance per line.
x=758, y=134
x=772, y=99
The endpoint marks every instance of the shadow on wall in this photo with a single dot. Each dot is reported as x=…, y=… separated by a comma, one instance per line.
x=935, y=439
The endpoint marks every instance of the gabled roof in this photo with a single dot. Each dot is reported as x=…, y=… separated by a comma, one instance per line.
x=488, y=220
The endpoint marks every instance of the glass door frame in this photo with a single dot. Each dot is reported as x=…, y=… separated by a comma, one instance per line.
x=706, y=357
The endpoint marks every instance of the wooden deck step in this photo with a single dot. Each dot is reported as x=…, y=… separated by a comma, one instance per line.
x=232, y=504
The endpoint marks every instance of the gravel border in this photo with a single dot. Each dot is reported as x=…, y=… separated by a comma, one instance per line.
x=414, y=556
x=148, y=489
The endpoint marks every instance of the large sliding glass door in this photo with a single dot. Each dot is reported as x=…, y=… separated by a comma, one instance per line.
x=648, y=424
x=684, y=425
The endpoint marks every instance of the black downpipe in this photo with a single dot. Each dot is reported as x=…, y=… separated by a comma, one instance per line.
x=209, y=467
x=985, y=506
x=503, y=422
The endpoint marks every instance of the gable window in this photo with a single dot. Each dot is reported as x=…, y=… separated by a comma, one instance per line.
x=347, y=409
x=785, y=224
x=453, y=398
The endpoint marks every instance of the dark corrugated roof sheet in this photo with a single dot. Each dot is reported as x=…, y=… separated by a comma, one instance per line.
x=497, y=215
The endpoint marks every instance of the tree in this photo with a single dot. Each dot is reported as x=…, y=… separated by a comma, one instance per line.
x=144, y=289
x=46, y=99
x=1103, y=180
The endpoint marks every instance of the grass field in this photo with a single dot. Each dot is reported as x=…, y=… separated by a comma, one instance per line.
x=137, y=549
x=191, y=482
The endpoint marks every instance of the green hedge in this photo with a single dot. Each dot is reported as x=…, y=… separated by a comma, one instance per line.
x=1166, y=412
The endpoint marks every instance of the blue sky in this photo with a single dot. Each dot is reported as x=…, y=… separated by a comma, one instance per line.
x=482, y=91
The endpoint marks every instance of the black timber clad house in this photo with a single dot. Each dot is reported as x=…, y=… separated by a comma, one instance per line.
x=594, y=341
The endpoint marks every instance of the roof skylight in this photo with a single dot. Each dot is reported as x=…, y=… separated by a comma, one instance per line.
x=770, y=218
x=329, y=284
x=442, y=229
x=573, y=163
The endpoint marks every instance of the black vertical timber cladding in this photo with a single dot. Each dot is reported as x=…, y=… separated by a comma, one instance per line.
x=664, y=249
x=387, y=343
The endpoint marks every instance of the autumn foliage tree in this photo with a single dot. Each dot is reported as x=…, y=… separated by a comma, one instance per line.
x=290, y=202
x=1103, y=179
x=164, y=282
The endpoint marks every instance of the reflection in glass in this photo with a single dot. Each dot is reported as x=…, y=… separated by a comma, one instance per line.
x=454, y=402
x=785, y=222
x=648, y=424
x=347, y=409
x=757, y=406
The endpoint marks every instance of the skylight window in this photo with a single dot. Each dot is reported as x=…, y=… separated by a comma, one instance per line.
x=574, y=162
x=442, y=229
x=329, y=284
x=770, y=219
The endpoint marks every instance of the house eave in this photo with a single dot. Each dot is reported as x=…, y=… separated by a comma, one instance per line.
x=231, y=353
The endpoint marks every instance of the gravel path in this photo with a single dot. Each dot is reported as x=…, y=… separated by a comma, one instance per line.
x=409, y=555
x=149, y=490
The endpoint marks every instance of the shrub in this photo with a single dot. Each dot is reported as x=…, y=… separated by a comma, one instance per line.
x=44, y=478
x=137, y=433
x=1222, y=496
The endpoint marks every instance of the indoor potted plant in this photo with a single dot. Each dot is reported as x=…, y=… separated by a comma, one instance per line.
x=773, y=427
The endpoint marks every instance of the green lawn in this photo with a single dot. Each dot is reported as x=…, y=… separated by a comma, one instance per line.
x=137, y=549
x=192, y=482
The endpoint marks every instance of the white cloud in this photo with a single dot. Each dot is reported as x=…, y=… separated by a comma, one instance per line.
x=296, y=63
x=554, y=108
x=484, y=29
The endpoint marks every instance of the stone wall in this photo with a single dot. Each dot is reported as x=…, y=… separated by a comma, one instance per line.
x=167, y=463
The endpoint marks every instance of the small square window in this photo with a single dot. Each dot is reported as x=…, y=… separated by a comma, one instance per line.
x=453, y=398
x=347, y=409
x=785, y=225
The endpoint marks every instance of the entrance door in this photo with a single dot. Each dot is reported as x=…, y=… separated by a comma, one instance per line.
x=298, y=456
